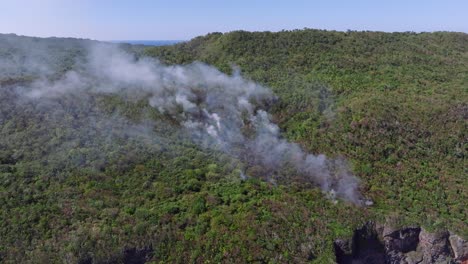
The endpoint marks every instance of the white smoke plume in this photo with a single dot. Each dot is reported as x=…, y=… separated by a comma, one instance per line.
x=223, y=112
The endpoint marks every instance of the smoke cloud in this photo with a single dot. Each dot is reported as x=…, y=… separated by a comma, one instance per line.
x=218, y=111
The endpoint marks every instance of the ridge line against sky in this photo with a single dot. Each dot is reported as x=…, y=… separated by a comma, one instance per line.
x=183, y=19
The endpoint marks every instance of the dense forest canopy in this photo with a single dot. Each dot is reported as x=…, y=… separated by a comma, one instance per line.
x=398, y=100
x=95, y=167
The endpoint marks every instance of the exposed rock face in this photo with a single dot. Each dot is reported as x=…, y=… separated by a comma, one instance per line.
x=402, y=240
x=459, y=248
x=399, y=242
x=374, y=243
x=434, y=246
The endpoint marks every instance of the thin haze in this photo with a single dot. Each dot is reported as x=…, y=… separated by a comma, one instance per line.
x=219, y=111
x=184, y=19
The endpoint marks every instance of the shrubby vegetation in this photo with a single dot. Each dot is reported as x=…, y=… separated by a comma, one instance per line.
x=75, y=186
x=398, y=106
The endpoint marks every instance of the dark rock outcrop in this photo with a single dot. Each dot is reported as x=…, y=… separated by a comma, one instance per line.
x=402, y=240
x=399, y=242
x=374, y=243
x=367, y=246
x=364, y=247
x=137, y=256
x=127, y=256
x=343, y=250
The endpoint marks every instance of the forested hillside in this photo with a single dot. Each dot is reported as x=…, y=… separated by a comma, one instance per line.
x=93, y=170
x=395, y=104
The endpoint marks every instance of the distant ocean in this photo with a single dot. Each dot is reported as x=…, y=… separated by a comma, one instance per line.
x=149, y=42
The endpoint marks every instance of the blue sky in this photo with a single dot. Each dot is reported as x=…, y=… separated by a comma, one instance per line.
x=183, y=19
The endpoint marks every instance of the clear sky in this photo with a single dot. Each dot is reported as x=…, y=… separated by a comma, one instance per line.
x=184, y=19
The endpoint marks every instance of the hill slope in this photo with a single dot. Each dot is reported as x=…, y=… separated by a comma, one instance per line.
x=398, y=105
x=100, y=176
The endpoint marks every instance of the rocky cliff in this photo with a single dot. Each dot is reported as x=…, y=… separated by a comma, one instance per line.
x=380, y=243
